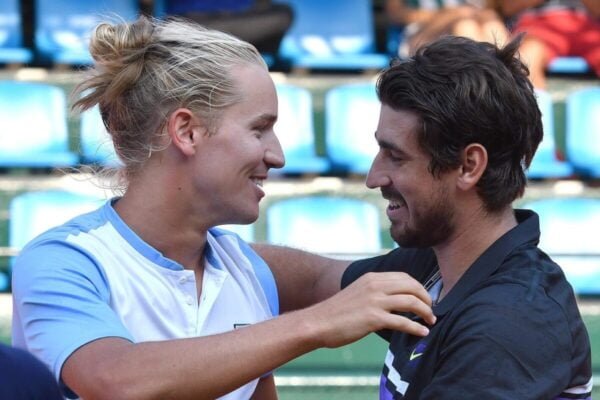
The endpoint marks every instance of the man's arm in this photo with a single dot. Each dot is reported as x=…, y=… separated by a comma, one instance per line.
x=302, y=278
x=209, y=367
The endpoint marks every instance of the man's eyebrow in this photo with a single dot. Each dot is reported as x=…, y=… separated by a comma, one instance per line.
x=265, y=118
x=384, y=144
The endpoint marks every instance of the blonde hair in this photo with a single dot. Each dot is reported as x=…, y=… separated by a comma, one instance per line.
x=146, y=69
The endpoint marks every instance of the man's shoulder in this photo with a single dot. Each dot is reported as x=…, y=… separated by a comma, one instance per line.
x=416, y=262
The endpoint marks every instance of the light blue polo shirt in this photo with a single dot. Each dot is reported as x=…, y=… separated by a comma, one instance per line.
x=93, y=277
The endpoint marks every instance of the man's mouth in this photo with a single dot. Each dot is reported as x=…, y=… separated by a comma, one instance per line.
x=258, y=181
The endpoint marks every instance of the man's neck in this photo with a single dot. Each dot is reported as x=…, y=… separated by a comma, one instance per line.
x=475, y=232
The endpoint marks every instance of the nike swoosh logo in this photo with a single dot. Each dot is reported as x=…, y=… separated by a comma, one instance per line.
x=414, y=355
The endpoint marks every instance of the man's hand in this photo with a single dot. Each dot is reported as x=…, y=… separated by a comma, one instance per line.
x=370, y=304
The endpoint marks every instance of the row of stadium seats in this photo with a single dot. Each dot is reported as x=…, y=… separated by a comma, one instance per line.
x=33, y=119
x=314, y=41
x=343, y=226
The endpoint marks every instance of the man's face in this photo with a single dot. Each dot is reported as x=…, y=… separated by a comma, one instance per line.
x=421, y=207
x=232, y=164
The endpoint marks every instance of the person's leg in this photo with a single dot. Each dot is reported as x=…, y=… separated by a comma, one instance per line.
x=467, y=27
x=535, y=55
x=264, y=28
x=586, y=42
x=547, y=37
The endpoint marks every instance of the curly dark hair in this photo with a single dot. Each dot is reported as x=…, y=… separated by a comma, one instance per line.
x=470, y=92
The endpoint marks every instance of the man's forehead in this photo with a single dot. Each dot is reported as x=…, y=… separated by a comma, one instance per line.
x=397, y=126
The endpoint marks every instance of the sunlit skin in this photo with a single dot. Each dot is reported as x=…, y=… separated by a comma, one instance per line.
x=235, y=159
x=419, y=208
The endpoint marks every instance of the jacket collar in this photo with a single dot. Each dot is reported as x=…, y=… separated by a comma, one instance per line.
x=527, y=231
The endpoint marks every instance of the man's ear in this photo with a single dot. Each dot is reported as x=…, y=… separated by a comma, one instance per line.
x=474, y=163
x=185, y=130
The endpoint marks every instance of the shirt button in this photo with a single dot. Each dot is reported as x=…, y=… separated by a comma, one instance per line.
x=182, y=280
x=189, y=300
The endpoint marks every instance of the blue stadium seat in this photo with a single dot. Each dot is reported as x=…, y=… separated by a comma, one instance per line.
x=545, y=164
x=96, y=143
x=4, y=281
x=63, y=27
x=11, y=36
x=295, y=131
x=568, y=65
x=351, y=116
x=333, y=34
x=583, y=131
x=32, y=213
x=569, y=229
x=325, y=224
x=33, y=122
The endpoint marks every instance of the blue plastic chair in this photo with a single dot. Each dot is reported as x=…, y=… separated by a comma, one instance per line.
x=333, y=34
x=295, y=131
x=63, y=27
x=351, y=116
x=568, y=65
x=33, y=213
x=33, y=122
x=332, y=225
x=545, y=164
x=583, y=131
x=96, y=143
x=569, y=228
x=11, y=36
x=4, y=281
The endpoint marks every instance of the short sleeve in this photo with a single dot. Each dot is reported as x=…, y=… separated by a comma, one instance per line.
x=61, y=302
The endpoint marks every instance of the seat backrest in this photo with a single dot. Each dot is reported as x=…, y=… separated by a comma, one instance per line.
x=96, y=143
x=325, y=224
x=32, y=213
x=583, y=130
x=568, y=225
x=569, y=234
x=12, y=50
x=66, y=25
x=545, y=163
x=295, y=131
x=351, y=116
x=33, y=122
x=294, y=127
x=325, y=28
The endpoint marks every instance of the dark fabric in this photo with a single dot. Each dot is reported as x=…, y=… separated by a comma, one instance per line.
x=264, y=26
x=24, y=377
x=509, y=329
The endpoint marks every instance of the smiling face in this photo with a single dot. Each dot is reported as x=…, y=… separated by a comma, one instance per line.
x=234, y=161
x=421, y=207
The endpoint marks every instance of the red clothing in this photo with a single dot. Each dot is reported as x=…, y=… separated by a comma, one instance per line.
x=565, y=33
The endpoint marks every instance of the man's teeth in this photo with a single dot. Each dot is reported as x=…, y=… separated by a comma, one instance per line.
x=396, y=203
x=257, y=182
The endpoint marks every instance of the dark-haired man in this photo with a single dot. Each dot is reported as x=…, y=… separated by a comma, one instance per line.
x=459, y=123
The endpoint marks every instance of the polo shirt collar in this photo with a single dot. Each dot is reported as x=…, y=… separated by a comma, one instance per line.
x=526, y=231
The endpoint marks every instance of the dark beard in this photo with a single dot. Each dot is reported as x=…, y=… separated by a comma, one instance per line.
x=430, y=229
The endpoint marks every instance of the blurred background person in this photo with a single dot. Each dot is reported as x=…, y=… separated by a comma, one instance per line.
x=425, y=21
x=555, y=28
x=259, y=22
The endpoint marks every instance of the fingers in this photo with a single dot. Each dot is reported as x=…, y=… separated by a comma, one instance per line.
x=401, y=293
x=407, y=325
